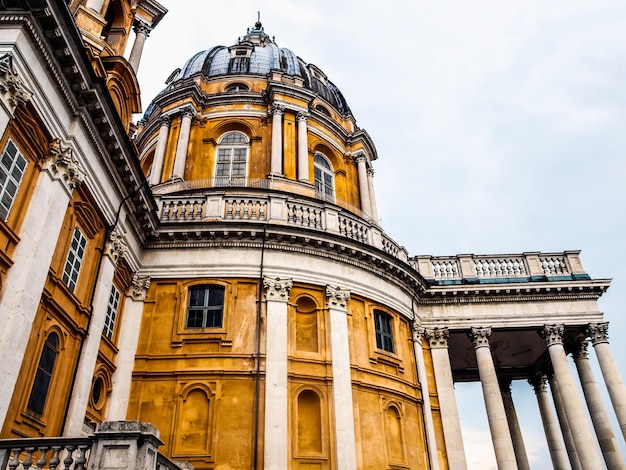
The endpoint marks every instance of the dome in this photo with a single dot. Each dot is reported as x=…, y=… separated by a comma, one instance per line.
x=257, y=54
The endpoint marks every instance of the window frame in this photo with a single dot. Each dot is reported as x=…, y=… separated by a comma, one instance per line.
x=74, y=259
x=383, y=328
x=112, y=314
x=41, y=374
x=10, y=177
x=323, y=177
x=206, y=307
x=228, y=151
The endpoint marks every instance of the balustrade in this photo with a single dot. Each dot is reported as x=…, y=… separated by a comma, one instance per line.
x=245, y=209
x=353, y=229
x=304, y=215
x=183, y=210
x=445, y=269
x=500, y=267
x=49, y=453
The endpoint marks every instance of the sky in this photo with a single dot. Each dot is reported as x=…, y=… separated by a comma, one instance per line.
x=500, y=128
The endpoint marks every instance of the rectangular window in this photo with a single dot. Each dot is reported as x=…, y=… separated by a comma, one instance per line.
x=384, y=336
x=109, y=322
x=205, y=308
x=74, y=259
x=12, y=166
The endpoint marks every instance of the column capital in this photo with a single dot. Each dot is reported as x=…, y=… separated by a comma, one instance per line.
x=187, y=112
x=276, y=109
x=139, y=27
x=277, y=289
x=302, y=116
x=480, y=336
x=579, y=350
x=337, y=297
x=417, y=331
x=539, y=383
x=116, y=246
x=437, y=337
x=138, y=287
x=370, y=171
x=598, y=332
x=359, y=158
x=553, y=334
x=64, y=165
x=10, y=82
x=165, y=120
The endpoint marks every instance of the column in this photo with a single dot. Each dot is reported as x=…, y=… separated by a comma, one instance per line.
x=159, y=153
x=276, y=162
x=142, y=31
x=516, y=433
x=558, y=455
x=342, y=378
x=568, y=438
x=180, y=159
x=500, y=435
x=24, y=283
x=370, y=185
x=599, y=334
x=581, y=433
x=127, y=344
x=303, y=147
x=79, y=399
x=361, y=163
x=95, y=5
x=599, y=417
x=276, y=456
x=438, y=341
x=422, y=377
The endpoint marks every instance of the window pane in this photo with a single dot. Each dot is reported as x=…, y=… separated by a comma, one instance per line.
x=74, y=259
x=205, y=307
x=12, y=166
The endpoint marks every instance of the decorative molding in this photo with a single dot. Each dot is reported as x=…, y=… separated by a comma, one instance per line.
x=337, y=297
x=138, y=287
x=277, y=289
x=480, y=337
x=116, y=246
x=553, y=334
x=598, y=332
x=437, y=337
x=11, y=84
x=64, y=165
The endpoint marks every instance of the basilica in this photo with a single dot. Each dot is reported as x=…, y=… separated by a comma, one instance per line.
x=209, y=286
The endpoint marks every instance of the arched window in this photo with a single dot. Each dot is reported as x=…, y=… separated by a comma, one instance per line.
x=43, y=376
x=231, y=166
x=324, y=176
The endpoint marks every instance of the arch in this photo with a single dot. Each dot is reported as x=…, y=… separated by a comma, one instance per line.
x=324, y=176
x=306, y=324
x=236, y=87
x=309, y=423
x=43, y=376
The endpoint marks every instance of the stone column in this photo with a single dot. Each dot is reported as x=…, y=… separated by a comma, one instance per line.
x=125, y=445
x=568, y=438
x=599, y=417
x=422, y=376
x=128, y=339
x=159, y=153
x=581, y=433
x=370, y=185
x=599, y=334
x=95, y=5
x=142, y=31
x=303, y=147
x=79, y=399
x=364, y=191
x=516, y=433
x=558, y=455
x=438, y=340
x=25, y=280
x=180, y=159
x=276, y=161
x=276, y=455
x=500, y=435
x=342, y=378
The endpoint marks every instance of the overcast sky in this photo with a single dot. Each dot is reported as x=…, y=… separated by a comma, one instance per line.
x=500, y=128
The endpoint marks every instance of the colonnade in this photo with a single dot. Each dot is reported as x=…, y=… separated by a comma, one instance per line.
x=572, y=447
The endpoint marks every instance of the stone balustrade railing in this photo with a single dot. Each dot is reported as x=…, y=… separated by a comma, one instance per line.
x=500, y=268
x=276, y=209
x=52, y=453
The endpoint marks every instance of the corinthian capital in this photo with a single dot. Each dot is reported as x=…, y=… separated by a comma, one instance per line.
x=116, y=246
x=598, y=332
x=142, y=28
x=437, y=337
x=11, y=84
x=302, y=116
x=337, y=297
x=480, y=337
x=553, y=334
x=138, y=287
x=360, y=158
x=64, y=165
x=277, y=288
x=276, y=109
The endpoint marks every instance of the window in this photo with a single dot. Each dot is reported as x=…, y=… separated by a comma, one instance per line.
x=384, y=336
x=109, y=322
x=324, y=176
x=43, y=376
x=12, y=166
x=205, y=308
x=232, y=158
x=74, y=259
x=237, y=88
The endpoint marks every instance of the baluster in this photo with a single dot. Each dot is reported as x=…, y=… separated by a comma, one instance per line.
x=179, y=211
x=28, y=461
x=68, y=460
x=246, y=208
x=229, y=209
x=15, y=461
x=55, y=461
x=81, y=460
x=41, y=462
x=262, y=211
